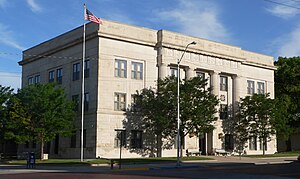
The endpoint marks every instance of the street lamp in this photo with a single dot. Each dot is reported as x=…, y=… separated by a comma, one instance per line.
x=178, y=107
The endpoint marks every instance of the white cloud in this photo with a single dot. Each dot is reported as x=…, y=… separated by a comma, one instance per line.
x=282, y=11
x=197, y=18
x=288, y=45
x=34, y=6
x=10, y=79
x=7, y=38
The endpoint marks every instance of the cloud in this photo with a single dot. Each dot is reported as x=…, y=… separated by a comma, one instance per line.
x=197, y=18
x=288, y=45
x=34, y=6
x=7, y=38
x=282, y=11
x=10, y=79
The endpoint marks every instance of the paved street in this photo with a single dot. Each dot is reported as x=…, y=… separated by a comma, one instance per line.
x=221, y=167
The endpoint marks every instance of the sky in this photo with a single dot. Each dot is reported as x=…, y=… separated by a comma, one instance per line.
x=262, y=26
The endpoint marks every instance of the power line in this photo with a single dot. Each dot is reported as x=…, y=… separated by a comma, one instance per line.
x=283, y=4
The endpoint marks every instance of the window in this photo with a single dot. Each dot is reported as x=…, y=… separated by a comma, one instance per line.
x=86, y=69
x=223, y=83
x=136, y=71
x=26, y=145
x=51, y=76
x=30, y=80
x=33, y=144
x=228, y=142
x=136, y=139
x=59, y=74
x=250, y=87
x=260, y=88
x=261, y=143
x=174, y=72
x=223, y=111
x=73, y=140
x=120, y=138
x=252, y=143
x=121, y=68
x=86, y=101
x=76, y=71
x=120, y=102
x=37, y=79
x=200, y=74
x=75, y=99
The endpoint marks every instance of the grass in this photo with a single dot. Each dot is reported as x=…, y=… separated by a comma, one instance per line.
x=103, y=161
x=280, y=154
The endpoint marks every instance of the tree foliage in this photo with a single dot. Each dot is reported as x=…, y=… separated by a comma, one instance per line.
x=287, y=91
x=5, y=95
x=39, y=113
x=255, y=118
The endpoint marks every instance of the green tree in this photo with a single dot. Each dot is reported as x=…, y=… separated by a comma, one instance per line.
x=5, y=95
x=256, y=118
x=39, y=113
x=287, y=92
x=157, y=109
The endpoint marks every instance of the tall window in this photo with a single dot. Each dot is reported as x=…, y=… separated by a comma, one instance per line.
x=30, y=80
x=136, y=139
x=120, y=102
x=73, y=140
x=250, y=87
x=223, y=111
x=262, y=143
x=59, y=74
x=86, y=69
x=76, y=71
x=200, y=74
x=120, y=138
x=223, y=83
x=86, y=101
x=121, y=68
x=75, y=99
x=260, y=88
x=37, y=79
x=228, y=142
x=136, y=70
x=174, y=72
x=253, y=143
x=51, y=76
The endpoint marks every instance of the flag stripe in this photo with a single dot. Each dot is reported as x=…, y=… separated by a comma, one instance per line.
x=91, y=17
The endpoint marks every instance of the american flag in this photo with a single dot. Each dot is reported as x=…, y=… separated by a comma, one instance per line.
x=91, y=17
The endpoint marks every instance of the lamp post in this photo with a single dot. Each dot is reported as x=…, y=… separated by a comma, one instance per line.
x=178, y=106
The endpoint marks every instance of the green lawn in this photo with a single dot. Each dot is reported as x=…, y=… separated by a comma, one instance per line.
x=104, y=161
x=280, y=154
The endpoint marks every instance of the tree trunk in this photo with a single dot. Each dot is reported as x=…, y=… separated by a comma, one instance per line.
x=42, y=150
x=264, y=143
x=159, y=145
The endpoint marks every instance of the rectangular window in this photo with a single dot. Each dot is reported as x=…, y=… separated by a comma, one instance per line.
x=136, y=139
x=76, y=71
x=200, y=74
x=51, y=76
x=223, y=83
x=250, y=87
x=120, y=102
x=121, y=68
x=252, y=143
x=37, y=79
x=223, y=111
x=260, y=88
x=86, y=69
x=136, y=71
x=86, y=101
x=73, y=140
x=30, y=80
x=120, y=138
x=75, y=99
x=174, y=72
x=261, y=144
x=228, y=142
x=59, y=75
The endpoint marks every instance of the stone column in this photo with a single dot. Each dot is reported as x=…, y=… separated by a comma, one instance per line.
x=215, y=83
x=236, y=92
x=162, y=71
x=189, y=73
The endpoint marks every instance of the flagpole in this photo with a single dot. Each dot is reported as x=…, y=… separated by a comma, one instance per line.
x=82, y=87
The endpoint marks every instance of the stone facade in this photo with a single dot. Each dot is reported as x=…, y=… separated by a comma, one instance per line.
x=124, y=58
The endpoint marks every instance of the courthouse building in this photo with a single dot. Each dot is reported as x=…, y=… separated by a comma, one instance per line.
x=121, y=59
